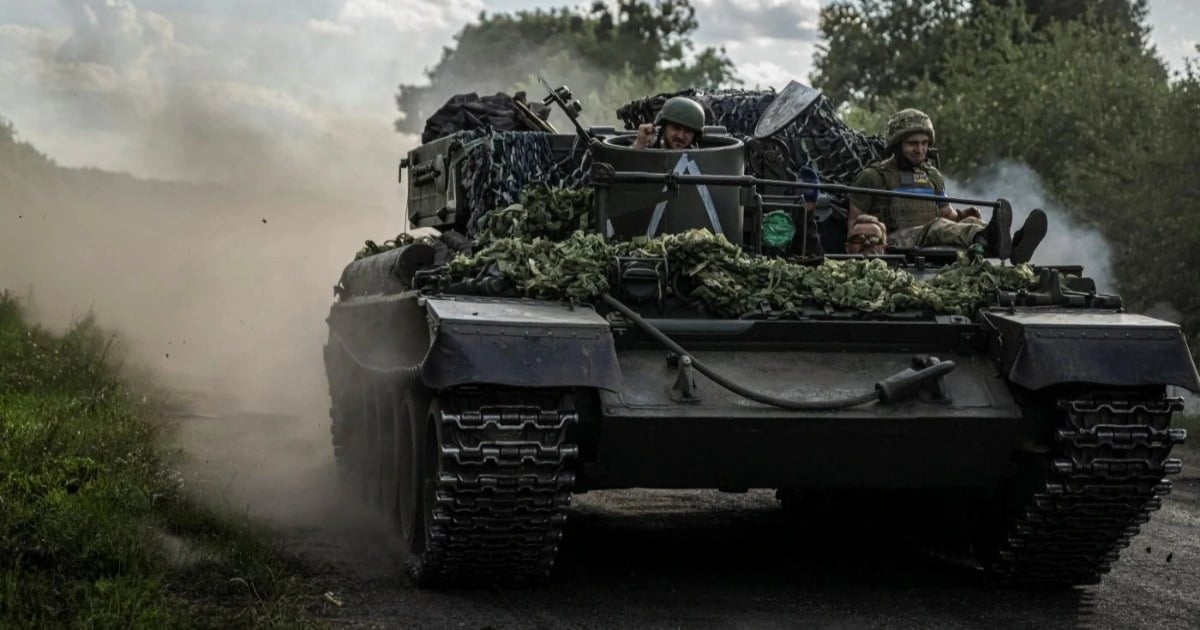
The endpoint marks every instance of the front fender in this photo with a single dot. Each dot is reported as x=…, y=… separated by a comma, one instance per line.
x=522, y=343
x=1038, y=349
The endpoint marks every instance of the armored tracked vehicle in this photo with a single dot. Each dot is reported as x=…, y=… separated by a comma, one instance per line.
x=469, y=408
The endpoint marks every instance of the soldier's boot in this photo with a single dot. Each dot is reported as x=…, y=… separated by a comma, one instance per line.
x=996, y=236
x=1026, y=240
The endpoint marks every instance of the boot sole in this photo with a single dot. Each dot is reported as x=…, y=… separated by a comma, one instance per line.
x=1032, y=234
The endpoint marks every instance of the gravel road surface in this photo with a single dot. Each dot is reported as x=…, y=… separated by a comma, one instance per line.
x=680, y=559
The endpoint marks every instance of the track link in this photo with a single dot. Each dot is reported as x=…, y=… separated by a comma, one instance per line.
x=1105, y=479
x=505, y=473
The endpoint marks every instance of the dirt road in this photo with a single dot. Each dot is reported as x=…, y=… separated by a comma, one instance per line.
x=670, y=559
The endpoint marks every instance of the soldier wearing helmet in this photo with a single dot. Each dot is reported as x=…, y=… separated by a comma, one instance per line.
x=679, y=125
x=925, y=222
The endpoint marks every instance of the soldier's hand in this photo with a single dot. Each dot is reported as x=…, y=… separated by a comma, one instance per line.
x=645, y=135
x=968, y=212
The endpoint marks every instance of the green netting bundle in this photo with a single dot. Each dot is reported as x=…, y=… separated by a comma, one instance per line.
x=545, y=212
x=575, y=268
x=731, y=283
x=540, y=246
x=370, y=248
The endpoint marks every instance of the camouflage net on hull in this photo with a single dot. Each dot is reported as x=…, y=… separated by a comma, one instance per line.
x=526, y=245
x=500, y=164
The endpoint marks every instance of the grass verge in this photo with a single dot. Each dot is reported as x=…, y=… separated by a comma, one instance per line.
x=94, y=529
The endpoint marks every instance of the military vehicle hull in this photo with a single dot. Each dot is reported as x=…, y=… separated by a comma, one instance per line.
x=471, y=421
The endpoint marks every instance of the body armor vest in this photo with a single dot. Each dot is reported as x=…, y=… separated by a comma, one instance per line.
x=899, y=214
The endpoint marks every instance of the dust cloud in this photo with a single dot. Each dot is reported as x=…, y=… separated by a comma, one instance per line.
x=218, y=287
x=218, y=290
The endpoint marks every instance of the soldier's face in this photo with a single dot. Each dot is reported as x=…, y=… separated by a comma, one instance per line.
x=676, y=137
x=915, y=147
x=865, y=238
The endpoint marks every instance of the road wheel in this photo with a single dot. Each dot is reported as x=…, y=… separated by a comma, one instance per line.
x=407, y=455
x=425, y=463
x=346, y=411
x=368, y=444
x=381, y=482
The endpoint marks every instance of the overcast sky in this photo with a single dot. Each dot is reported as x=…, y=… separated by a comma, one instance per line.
x=129, y=84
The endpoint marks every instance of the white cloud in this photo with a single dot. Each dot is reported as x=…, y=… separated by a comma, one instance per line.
x=733, y=20
x=21, y=48
x=113, y=33
x=220, y=90
x=328, y=27
x=769, y=62
x=764, y=74
x=1170, y=21
x=408, y=16
x=14, y=36
x=1177, y=52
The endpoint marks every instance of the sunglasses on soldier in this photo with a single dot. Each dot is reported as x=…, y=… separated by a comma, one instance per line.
x=866, y=239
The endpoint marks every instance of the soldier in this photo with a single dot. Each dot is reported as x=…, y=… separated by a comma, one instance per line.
x=679, y=125
x=867, y=235
x=920, y=222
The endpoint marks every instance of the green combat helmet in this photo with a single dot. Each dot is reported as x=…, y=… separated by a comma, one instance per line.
x=684, y=112
x=905, y=123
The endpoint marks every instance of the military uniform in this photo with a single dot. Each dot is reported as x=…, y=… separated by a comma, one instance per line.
x=912, y=222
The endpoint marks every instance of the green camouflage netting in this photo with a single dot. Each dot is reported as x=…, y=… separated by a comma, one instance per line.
x=551, y=213
x=528, y=244
x=371, y=247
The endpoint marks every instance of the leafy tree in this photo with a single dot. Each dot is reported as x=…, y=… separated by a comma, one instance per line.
x=1070, y=100
x=17, y=156
x=1126, y=16
x=1159, y=250
x=606, y=54
x=877, y=49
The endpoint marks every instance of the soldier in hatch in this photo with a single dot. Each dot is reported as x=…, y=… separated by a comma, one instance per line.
x=920, y=222
x=867, y=236
x=679, y=125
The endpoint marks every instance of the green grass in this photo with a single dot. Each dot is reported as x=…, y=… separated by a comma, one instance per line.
x=87, y=500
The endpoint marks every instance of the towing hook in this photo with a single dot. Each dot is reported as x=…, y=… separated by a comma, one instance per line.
x=684, y=389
